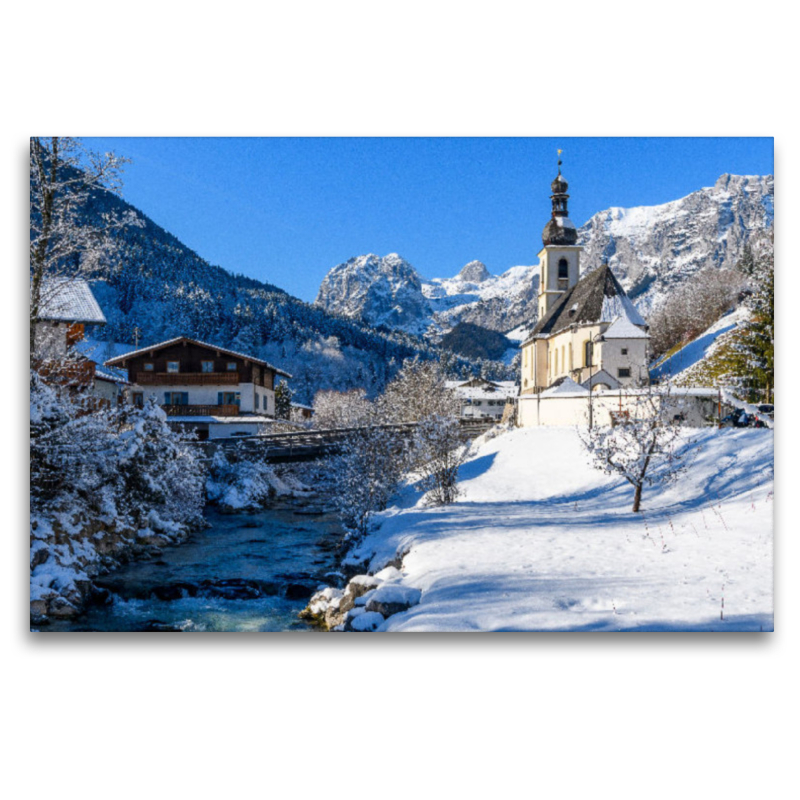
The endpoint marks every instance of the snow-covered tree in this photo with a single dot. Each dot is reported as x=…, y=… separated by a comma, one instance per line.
x=342, y=409
x=419, y=391
x=64, y=174
x=366, y=473
x=283, y=400
x=642, y=443
x=438, y=452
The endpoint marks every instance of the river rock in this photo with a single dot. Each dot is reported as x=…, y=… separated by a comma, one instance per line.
x=392, y=598
x=298, y=591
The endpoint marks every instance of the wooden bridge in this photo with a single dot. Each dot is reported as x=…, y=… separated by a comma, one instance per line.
x=307, y=445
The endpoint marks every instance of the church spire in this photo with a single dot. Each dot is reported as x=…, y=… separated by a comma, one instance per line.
x=559, y=230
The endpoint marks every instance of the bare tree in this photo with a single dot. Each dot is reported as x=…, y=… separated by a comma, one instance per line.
x=641, y=444
x=439, y=450
x=63, y=243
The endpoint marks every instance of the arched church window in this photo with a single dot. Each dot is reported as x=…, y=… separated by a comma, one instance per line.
x=587, y=353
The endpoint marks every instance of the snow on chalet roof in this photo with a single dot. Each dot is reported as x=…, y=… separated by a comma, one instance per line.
x=597, y=297
x=112, y=376
x=69, y=300
x=118, y=360
x=488, y=390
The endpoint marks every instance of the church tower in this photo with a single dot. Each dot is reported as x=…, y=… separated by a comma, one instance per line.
x=559, y=261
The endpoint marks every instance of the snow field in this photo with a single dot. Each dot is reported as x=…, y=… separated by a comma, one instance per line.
x=540, y=541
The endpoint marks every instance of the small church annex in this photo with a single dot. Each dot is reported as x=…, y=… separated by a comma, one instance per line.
x=588, y=330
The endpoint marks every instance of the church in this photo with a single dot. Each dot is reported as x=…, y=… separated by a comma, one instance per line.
x=589, y=336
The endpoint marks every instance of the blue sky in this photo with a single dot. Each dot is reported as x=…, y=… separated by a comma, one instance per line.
x=286, y=210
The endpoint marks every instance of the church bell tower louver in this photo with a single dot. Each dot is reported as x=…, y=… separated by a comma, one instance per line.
x=559, y=261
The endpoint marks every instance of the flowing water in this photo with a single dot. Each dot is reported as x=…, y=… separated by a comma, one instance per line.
x=246, y=572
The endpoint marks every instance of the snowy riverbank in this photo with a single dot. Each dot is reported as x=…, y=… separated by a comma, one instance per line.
x=541, y=541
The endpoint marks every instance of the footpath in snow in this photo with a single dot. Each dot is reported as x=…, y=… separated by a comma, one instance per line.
x=540, y=541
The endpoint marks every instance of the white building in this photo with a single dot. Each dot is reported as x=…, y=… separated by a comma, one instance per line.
x=481, y=398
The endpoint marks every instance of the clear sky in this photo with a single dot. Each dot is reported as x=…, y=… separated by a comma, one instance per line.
x=286, y=210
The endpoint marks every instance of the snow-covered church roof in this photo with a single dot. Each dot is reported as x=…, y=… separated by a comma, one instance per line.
x=69, y=300
x=597, y=297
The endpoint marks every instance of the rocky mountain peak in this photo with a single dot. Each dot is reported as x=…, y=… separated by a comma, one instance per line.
x=474, y=272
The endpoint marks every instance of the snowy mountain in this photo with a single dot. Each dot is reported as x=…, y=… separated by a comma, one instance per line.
x=652, y=250
x=388, y=291
x=379, y=291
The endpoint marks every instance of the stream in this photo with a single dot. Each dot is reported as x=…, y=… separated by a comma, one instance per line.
x=246, y=572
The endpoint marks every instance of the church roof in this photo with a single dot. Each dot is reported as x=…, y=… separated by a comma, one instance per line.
x=597, y=297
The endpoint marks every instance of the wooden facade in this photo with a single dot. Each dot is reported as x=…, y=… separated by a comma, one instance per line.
x=189, y=357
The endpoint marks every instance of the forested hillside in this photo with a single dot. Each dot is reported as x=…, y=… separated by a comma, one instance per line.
x=157, y=288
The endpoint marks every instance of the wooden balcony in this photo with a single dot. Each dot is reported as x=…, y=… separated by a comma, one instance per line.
x=187, y=378
x=225, y=410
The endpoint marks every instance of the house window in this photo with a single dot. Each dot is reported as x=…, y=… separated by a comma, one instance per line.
x=176, y=398
x=207, y=366
x=476, y=402
x=624, y=351
x=173, y=366
x=231, y=366
x=587, y=353
x=138, y=399
x=623, y=372
x=228, y=398
x=148, y=366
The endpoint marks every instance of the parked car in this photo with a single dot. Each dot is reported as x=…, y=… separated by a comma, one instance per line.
x=741, y=419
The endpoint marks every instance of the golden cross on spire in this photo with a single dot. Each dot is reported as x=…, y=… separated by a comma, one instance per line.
x=559, y=161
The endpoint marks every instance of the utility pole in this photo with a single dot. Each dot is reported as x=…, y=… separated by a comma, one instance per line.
x=136, y=334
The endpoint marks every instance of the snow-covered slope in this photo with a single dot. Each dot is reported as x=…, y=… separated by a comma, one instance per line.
x=692, y=354
x=652, y=250
x=551, y=544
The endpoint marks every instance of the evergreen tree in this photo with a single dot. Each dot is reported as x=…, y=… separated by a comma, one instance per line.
x=283, y=400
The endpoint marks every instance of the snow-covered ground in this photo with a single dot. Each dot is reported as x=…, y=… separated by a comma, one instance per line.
x=541, y=541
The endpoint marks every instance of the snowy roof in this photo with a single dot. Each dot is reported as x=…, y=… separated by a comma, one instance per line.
x=120, y=360
x=623, y=328
x=300, y=405
x=601, y=377
x=564, y=386
x=477, y=389
x=111, y=376
x=597, y=297
x=69, y=300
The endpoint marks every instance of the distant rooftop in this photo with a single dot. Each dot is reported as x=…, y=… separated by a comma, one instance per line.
x=69, y=300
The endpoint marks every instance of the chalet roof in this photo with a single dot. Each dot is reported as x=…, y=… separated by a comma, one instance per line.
x=120, y=360
x=111, y=377
x=597, y=297
x=479, y=389
x=69, y=300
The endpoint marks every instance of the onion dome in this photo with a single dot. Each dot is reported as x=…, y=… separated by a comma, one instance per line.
x=560, y=229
